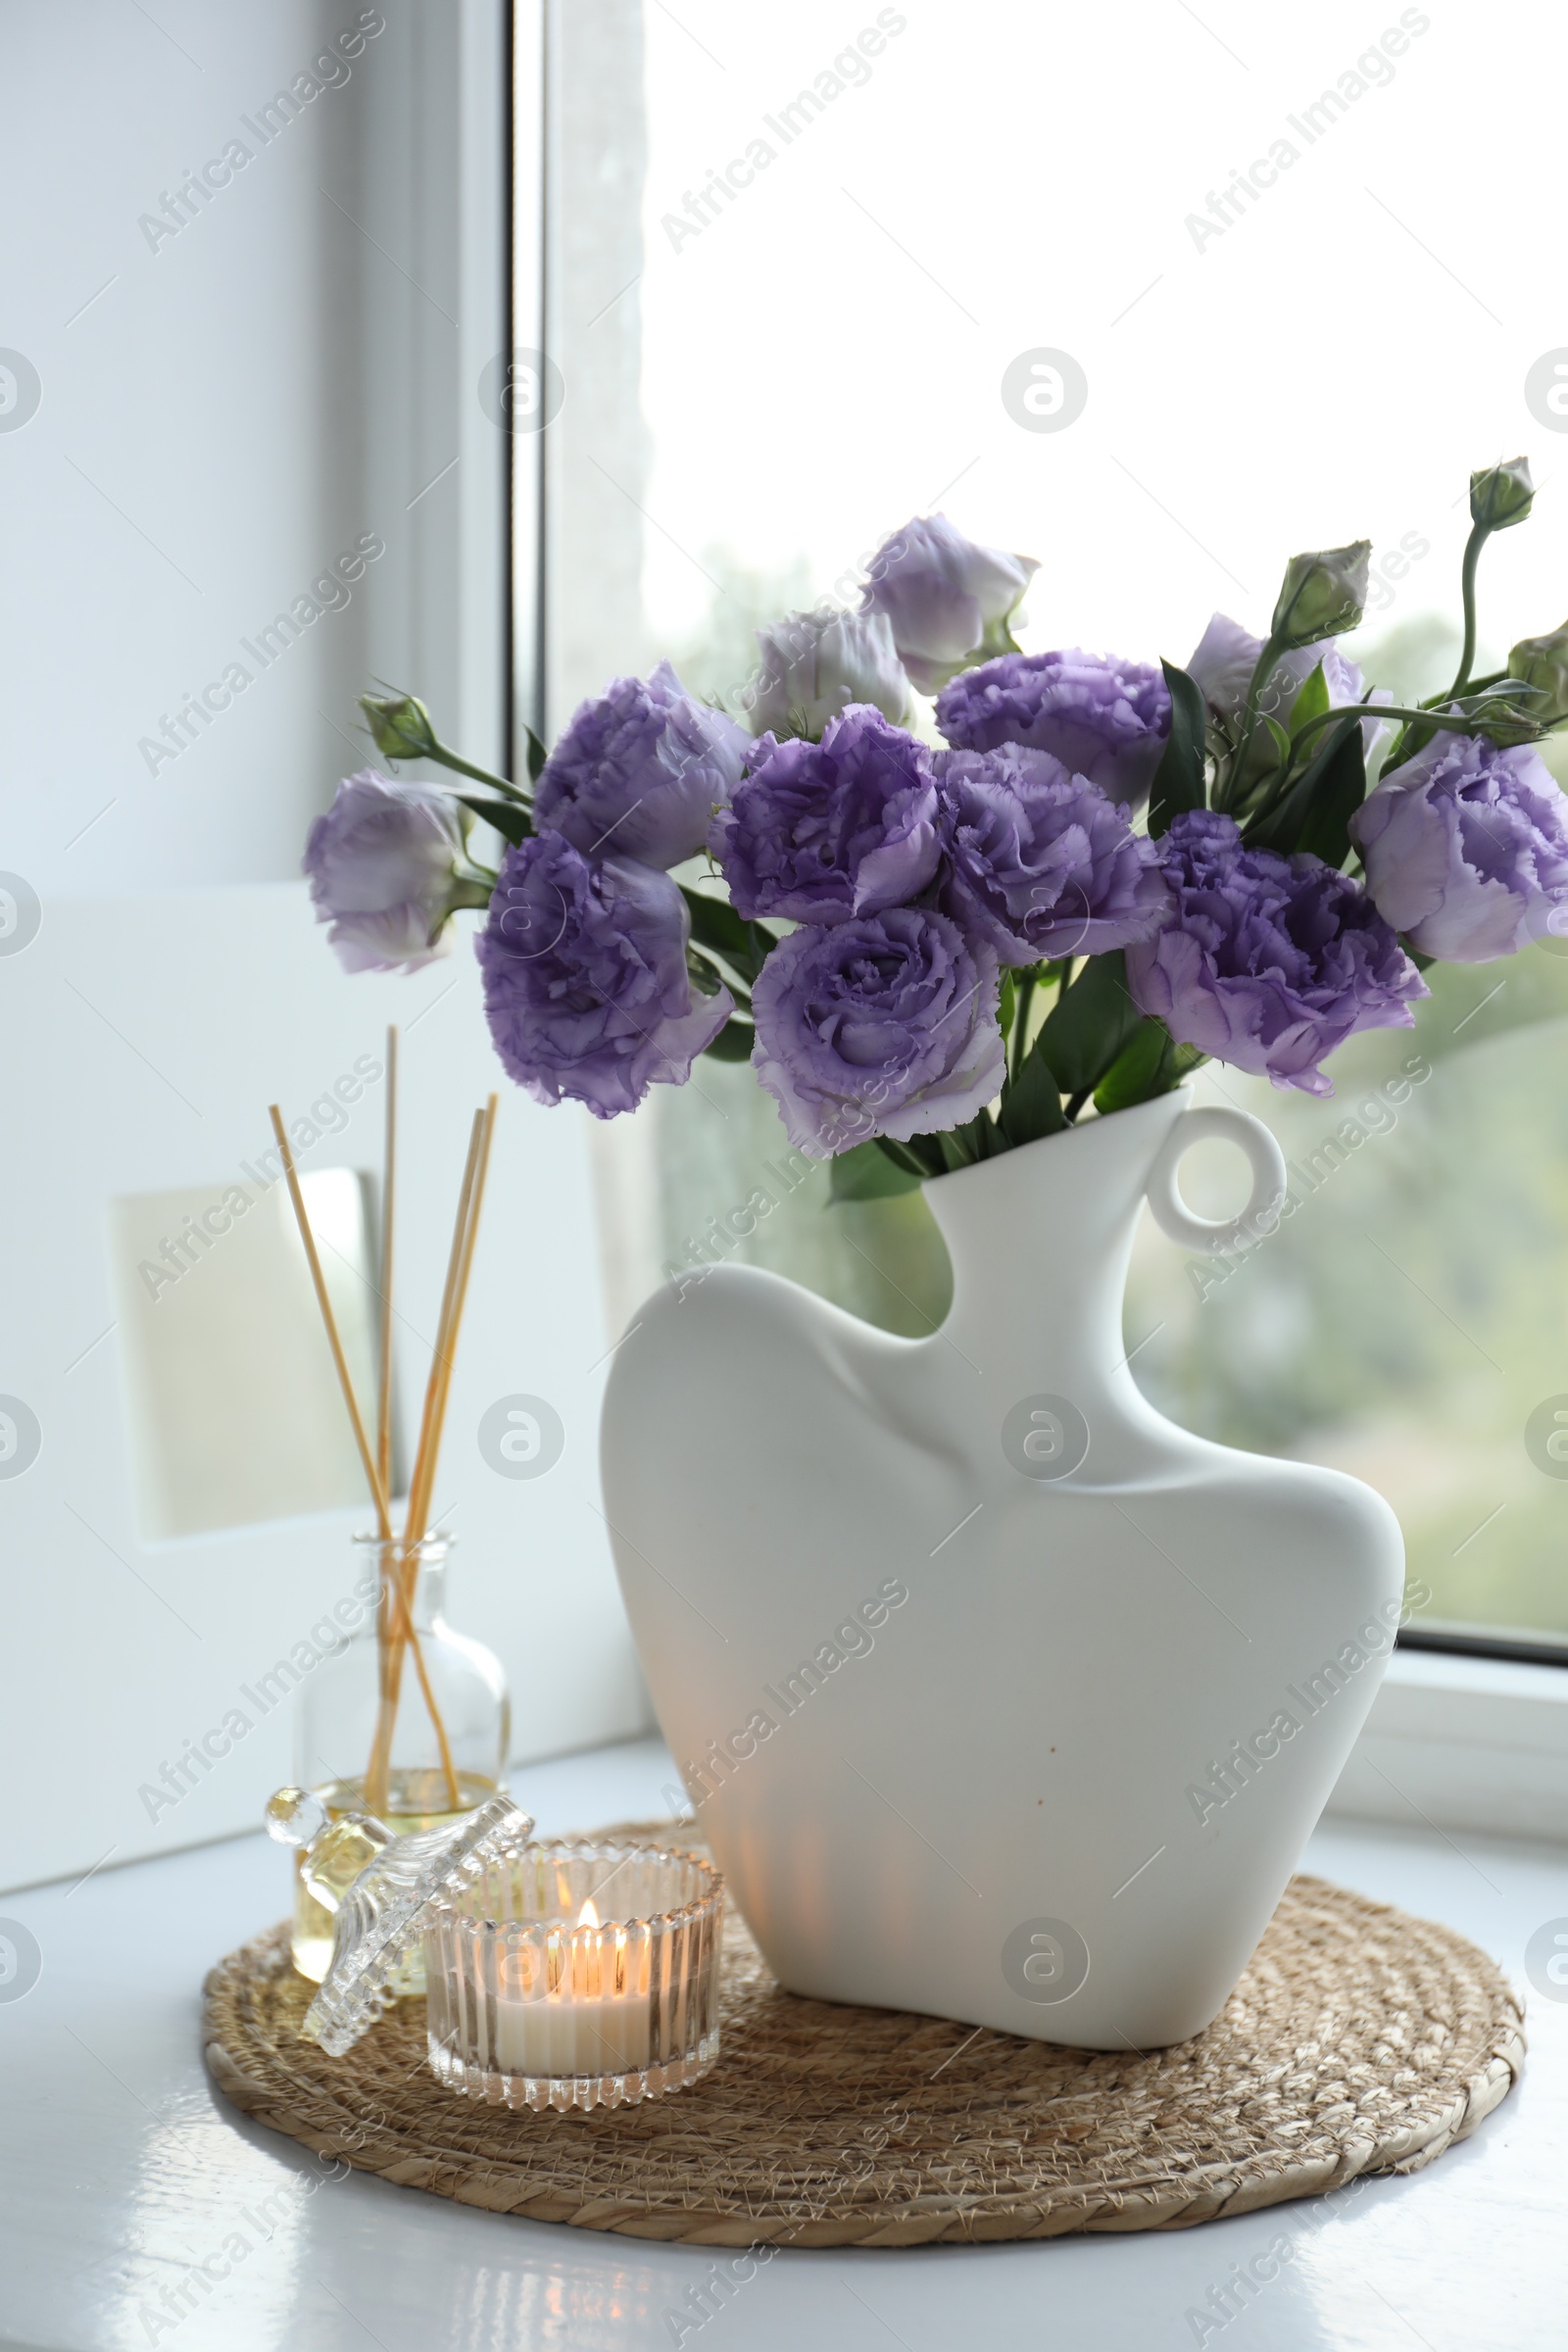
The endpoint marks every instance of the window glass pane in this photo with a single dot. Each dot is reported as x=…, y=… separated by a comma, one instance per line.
x=823, y=348
x=1408, y=1322
x=885, y=250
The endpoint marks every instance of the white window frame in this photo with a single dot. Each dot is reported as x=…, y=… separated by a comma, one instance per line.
x=1458, y=1742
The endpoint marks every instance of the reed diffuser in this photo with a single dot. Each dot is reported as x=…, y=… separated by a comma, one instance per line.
x=414, y=1748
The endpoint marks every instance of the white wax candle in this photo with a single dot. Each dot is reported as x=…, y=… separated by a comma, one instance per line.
x=582, y=2022
x=561, y=2035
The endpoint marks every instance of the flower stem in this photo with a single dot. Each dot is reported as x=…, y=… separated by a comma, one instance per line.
x=1449, y=722
x=1480, y=533
x=1021, y=1025
x=1290, y=776
x=465, y=767
x=1494, y=677
x=1254, y=690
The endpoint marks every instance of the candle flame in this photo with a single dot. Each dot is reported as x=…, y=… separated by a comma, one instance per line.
x=587, y=1917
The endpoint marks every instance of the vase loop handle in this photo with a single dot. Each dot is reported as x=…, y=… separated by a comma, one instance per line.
x=1216, y=1235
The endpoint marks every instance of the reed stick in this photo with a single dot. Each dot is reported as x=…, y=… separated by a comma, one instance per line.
x=422, y=1481
x=438, y=1387
x=383, y=1517
x=323, y=1302
x=420, y=1503
x=407, y=1571
x=398, y=1577
x=423, y=1468
x=471, y=1241
x=387, y=1601
x=389, y=1194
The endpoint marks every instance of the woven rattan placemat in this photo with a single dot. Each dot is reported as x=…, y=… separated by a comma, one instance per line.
x=1358, y=2041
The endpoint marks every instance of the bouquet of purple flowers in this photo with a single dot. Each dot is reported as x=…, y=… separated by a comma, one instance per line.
x=1104, y=873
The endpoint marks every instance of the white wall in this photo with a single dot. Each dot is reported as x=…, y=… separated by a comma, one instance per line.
x=219, y=418
x=223, y=410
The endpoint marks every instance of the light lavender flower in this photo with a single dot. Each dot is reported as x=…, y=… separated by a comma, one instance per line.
x=1466, y=849
x=382, y=864
x=949, y=602
x=1224, y=659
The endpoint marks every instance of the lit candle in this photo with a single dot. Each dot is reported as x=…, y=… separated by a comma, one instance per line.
x=579, y=2007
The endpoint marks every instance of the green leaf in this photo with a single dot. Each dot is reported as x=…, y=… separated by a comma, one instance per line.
x=1089, y=1024
x=1144, y=1069
x=537, y=754
x=1279, y=741
x=1310, y=703
x=734, y=1040
x=1007, y=1004
x=956, y=1152
x=508, y=817
x=1179, y=778
x=869, y=1174
x=1315, y=810
x=705, y=977
x=716, y=926
x=978, y=1136
x=920, y=1159
x=1341, y=790
x=1031, y=1102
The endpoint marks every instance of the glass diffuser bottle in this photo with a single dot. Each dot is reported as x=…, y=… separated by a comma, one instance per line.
x=409, y=1722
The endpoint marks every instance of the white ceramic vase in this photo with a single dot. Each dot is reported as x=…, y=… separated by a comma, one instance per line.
x=1000, y=1696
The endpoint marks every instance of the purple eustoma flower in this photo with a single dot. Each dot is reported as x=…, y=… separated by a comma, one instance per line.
x=1466, y=847
x=823, y=831
x=1270, y=963
x=382, y=866
x=883, y=1025
x=1104, y=720
x=639, y=771
x=585, y=982
x=1226, y=655
x=1039, y=863
x=1224, y=659
x=950, y=601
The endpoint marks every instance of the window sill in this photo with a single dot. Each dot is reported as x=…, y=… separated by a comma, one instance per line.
x=121, y=2167
x=1463, y=1744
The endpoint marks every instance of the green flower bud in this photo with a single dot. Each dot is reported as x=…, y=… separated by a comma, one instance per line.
x=1500, y=495
x=400, y=726
x=1323, y=594
x=1542, y=663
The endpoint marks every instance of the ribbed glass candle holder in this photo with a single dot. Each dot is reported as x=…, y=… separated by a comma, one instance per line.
x=580, y=1975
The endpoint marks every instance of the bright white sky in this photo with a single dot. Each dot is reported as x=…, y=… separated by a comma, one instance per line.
x=825, y=359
